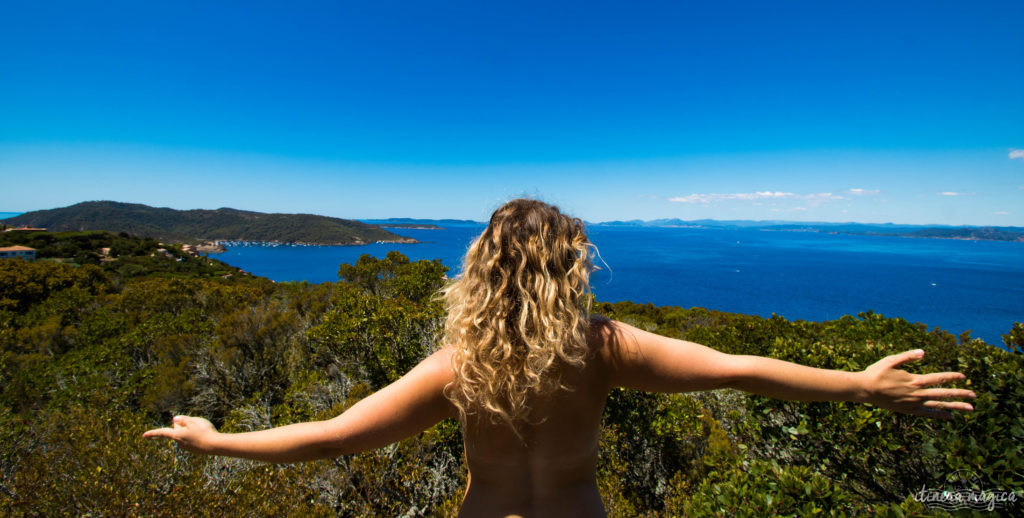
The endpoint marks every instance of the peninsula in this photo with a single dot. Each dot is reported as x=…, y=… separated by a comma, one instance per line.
x=201, y=225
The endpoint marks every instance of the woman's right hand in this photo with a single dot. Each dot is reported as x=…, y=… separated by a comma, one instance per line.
x=194, y=434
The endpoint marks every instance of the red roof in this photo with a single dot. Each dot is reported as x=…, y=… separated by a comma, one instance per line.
x=16, y=248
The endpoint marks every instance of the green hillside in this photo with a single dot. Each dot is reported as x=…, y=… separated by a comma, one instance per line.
x=205, y=225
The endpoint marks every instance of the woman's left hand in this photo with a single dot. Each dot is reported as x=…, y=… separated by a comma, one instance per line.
x=900, y=391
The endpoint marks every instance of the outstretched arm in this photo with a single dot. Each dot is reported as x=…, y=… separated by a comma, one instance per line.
x=881, y=384
x=406, y=407
x=646, y=361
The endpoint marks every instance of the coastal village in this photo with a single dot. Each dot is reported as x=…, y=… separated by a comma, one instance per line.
x=17, y=251
x=29, y=254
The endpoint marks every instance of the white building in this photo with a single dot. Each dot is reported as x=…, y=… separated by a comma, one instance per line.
x=18, y=252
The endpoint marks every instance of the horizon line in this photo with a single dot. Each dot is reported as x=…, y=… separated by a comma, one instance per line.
x=587, y=222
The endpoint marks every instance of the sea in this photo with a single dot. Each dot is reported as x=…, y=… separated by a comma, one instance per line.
x=956, y=285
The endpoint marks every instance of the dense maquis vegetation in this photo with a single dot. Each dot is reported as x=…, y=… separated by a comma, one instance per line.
x=205, y=225
x=91, y=356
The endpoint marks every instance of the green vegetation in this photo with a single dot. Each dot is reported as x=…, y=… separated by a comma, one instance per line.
x=205, y=225
x=121, y=255
x=846, y=457
x=91, y=357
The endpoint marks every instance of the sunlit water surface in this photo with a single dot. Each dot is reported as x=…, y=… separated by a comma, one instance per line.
x=953, y=284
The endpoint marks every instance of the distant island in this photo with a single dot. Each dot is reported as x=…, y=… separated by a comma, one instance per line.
x=421, y=223
x=867, y=229
x=201, y=225
x=420, y=226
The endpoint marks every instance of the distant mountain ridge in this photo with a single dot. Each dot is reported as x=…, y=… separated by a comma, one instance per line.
x=422, y=222
x=873, y=229
x=238, y=225
x=224, y=224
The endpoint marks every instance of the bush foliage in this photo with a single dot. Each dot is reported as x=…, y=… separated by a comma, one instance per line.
x=91, y=356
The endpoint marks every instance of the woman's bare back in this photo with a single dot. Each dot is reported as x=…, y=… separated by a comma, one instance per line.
x=551, y=469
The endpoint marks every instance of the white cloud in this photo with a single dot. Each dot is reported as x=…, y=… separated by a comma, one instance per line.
x=863, y=192
x=951, y=193
x=1000, y=213
x=749, y=196
x=1017, y=153
x=713, y=197
x=822, y=196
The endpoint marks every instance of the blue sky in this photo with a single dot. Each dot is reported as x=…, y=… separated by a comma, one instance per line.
x=909, y=112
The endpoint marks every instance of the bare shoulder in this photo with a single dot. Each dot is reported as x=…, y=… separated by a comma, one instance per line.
x=407, y=406
x=436, y=369
x=600, y=329
x=605, y=339
x=423, y=385
x=440, y=360
x=639, y=359
x=611, y=339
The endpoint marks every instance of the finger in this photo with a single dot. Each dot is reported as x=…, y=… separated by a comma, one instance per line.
x=182, y=421
x=159, y=432
x=949, y=405
x=938, y=378
x=896, y=360
x=944, y=393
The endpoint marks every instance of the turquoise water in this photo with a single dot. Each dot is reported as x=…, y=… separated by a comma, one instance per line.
x=953, y=284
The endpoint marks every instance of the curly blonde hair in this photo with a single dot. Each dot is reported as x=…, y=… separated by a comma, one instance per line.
x=520, y=307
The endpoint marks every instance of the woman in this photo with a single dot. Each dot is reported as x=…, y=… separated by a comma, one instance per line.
x=526, y=371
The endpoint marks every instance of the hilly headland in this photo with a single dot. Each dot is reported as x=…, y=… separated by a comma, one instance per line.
x=199, y=225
